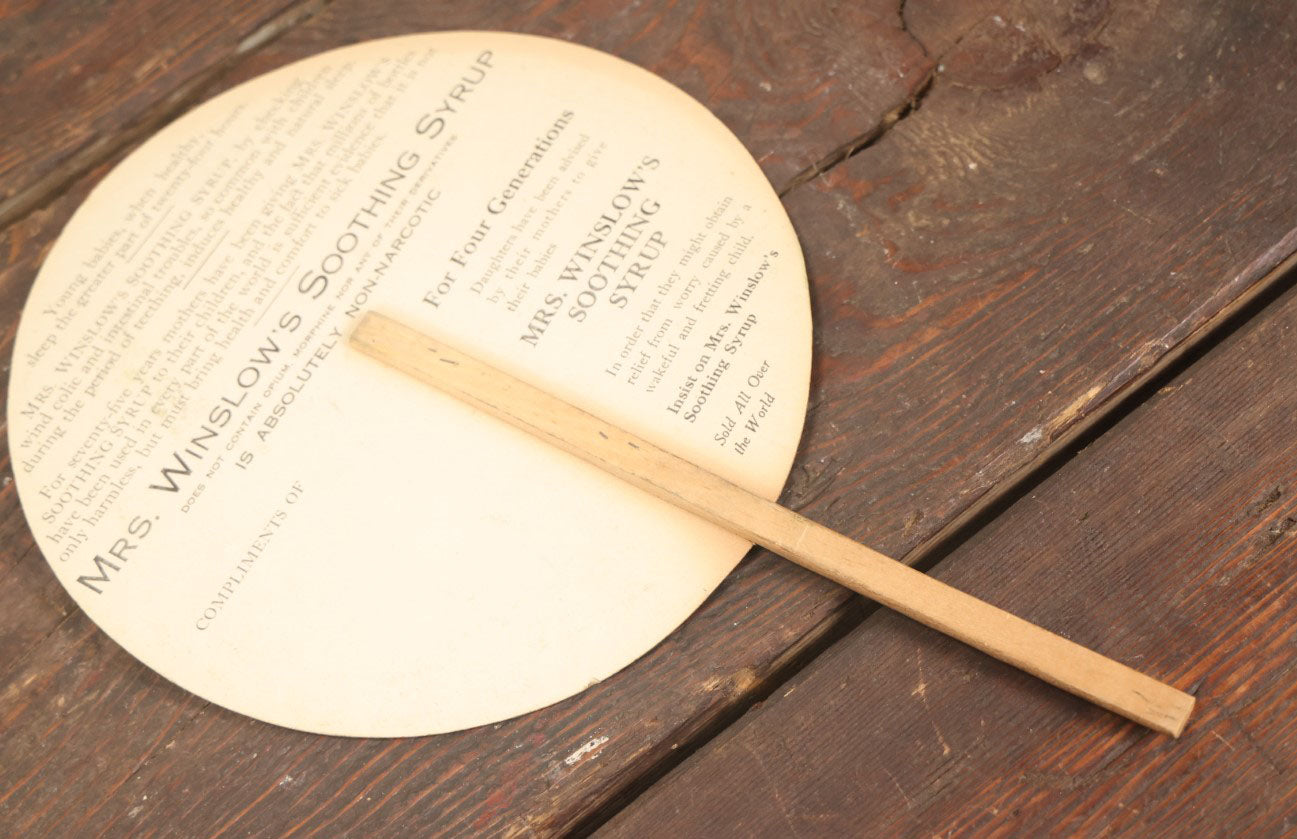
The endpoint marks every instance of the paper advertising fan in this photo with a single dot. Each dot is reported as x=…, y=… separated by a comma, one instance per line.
x=283, y=526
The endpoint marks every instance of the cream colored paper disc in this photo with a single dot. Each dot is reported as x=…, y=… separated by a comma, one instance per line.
x=284, y=527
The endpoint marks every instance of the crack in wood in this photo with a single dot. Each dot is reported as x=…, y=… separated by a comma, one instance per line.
x=890, y=120
x=858, y=144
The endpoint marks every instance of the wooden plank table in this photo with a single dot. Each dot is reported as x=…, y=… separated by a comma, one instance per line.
x=1017, y=216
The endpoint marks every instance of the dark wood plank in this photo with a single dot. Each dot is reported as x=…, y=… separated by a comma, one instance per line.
x=1032, y=240
x=79, y=77
x=967, y=317
x=85, y=79
x=32, y=602
x=1169, y=544
x=798, y=83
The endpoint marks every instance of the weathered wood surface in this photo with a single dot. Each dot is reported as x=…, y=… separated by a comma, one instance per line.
x=1073, y=200
x=78, y=80
x=799, y=83
x=1169, y=542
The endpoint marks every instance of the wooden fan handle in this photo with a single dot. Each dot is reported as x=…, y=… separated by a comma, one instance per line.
x=998, y=633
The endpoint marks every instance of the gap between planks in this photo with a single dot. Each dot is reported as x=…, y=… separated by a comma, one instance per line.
x=1121, y=402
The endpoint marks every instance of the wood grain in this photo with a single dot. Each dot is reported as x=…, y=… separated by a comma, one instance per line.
x=1173, y=538
x=84, y=80
x=81, y=79
x=799, y=83
x=967, y=318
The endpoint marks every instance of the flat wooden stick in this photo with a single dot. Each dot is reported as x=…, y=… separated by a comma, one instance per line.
x=1007, y=637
